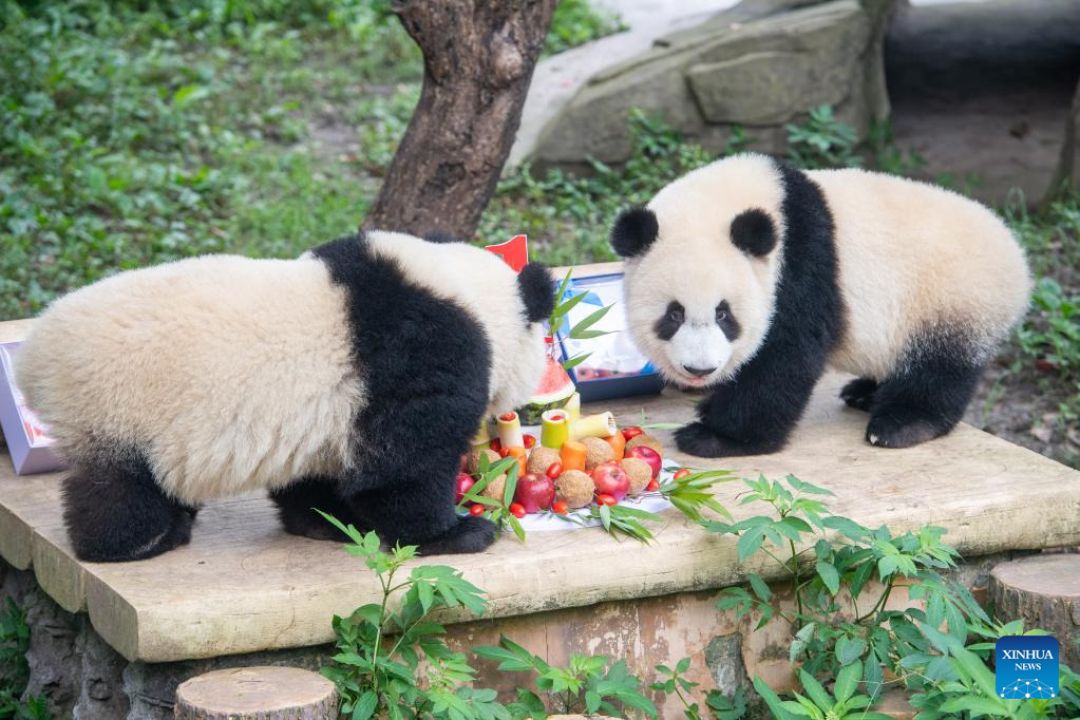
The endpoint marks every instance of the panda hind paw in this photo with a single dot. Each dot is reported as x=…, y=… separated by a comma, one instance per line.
x=469, y=535
x=698, y=439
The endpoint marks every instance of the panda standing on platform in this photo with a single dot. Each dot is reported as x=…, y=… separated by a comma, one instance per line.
x=751, y=276
x=351, y=379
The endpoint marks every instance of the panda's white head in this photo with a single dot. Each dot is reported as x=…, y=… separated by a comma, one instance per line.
x=702, y=260
x=509, y=306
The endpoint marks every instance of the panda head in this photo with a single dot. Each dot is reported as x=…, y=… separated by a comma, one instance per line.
x=510, y=308
x=701, y=265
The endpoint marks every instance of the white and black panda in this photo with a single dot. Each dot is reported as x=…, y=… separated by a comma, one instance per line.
x=351, y=379
x=751, y=276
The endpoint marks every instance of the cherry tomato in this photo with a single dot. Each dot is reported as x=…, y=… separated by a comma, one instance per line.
x=560, y=507
x=517, y=510
x=653, y=486
x=631, y=432
x=554, y=470
x=530, y=441
x=508, y=417
x=682, y=473
x=605, y=499
x=504, y=452
x=477, y=509
x=495, y=444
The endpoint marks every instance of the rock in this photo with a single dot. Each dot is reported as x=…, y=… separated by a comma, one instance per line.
x=759, y=65
x=1044, y=591
x=724, y=658
x=262, y=693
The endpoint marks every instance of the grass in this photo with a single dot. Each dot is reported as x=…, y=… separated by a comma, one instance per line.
x=136, y=132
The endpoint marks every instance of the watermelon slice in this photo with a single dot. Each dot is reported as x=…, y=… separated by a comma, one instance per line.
x=553, y=392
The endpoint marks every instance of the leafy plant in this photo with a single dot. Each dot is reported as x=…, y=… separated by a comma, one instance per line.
x=577, y=22
x=822, y=142
x=14, y=671
x=589, y=683
x=1051, y=336
x=498, y=510
x=378, y=665
x=581, y=330
x=831, y=560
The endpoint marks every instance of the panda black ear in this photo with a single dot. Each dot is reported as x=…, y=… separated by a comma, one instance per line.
x=440, y=237
x=634, y=231
x=537, y=292
x=753, y=232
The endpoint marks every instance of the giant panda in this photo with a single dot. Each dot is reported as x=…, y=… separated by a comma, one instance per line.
x=351, y=379
x=750, y=276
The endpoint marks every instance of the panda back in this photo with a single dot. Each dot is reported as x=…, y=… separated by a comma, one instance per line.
x=230, y=374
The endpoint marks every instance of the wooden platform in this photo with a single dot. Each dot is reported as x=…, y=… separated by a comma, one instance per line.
x=244, y=585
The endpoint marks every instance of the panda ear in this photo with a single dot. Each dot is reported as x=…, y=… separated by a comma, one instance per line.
x=634, y=231
x=537, y=292
x=440, y=237
x=753, y=232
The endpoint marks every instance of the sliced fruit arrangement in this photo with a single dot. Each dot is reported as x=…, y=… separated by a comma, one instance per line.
x=581, y=469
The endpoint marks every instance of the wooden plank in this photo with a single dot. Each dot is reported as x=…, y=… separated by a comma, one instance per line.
x=243, y=585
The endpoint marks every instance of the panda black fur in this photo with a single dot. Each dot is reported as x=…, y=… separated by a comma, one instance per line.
x=751, y=276
x=351, y=379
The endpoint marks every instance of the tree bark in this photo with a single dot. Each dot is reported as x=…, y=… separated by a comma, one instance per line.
x=479, y=57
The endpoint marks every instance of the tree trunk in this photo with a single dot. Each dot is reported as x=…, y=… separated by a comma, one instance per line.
x=479, y=57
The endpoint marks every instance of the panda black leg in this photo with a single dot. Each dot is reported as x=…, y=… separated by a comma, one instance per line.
x=859, y=393
x=925, y=398
x=296, y=504
x=115, y=510
x=754, y=413
x=403, y=487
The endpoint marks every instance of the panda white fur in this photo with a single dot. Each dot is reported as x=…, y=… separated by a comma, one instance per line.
x=351, y=379
x=752, y=276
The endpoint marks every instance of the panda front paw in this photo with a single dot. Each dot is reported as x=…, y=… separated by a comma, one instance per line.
x=698, y=439
x=469, y=535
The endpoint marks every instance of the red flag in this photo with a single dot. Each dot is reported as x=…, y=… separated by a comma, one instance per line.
x=515, y=251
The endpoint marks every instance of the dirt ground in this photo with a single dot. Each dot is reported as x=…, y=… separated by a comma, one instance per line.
x=981, y=91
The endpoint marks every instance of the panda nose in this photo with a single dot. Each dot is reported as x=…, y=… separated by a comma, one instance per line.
x=698, y=372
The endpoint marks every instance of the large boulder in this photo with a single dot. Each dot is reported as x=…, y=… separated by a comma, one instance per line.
x=760, y=65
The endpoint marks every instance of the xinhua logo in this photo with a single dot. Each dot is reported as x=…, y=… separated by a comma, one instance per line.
x=1026, y=667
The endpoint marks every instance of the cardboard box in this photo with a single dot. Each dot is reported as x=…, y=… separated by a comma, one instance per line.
x=28, y=443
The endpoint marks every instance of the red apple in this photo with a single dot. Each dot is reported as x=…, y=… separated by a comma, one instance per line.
x=647, y=454
x=462, y=485
x=535, y=492
x=610, y=479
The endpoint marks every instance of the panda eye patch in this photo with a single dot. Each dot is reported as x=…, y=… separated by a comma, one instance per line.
x=670, y=322
x=726, y=321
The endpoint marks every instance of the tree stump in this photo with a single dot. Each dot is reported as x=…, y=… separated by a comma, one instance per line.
x=1044, y=591
x=257, y=693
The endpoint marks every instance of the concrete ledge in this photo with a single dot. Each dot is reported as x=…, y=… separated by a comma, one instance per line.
x=243, y=585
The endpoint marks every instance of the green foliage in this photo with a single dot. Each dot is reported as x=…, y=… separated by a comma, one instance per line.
x=567, y=216
x=577, y=22
x=496, y=509
x=134, y=133
x=829, y=557
x=14, y=671
x=822, y=142
x=590, y=684
x=1049, y=338
x=582, y=330
x=378, y=673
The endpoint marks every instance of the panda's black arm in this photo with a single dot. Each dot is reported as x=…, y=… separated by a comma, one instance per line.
x=755, y=412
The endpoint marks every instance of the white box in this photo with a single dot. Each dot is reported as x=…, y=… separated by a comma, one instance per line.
x=28, y=443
